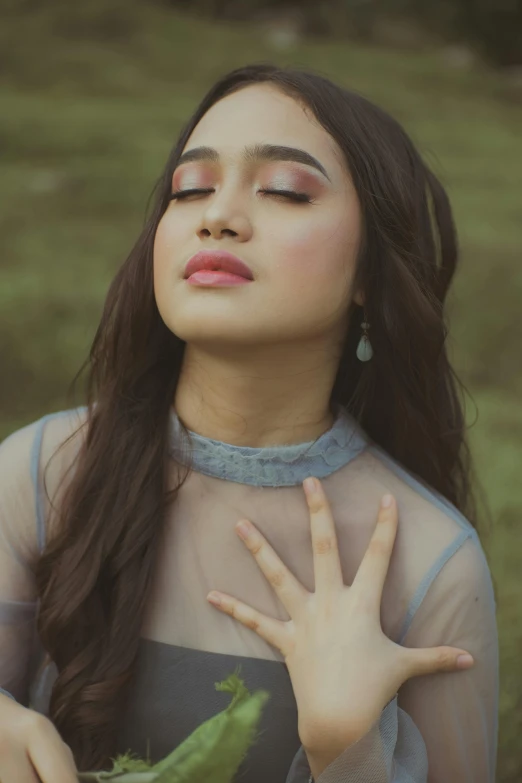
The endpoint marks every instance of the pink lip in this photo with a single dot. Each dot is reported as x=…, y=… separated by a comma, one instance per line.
x=216, y=279
x=217, y=261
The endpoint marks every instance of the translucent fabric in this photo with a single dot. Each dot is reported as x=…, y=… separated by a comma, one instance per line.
x=440, y=728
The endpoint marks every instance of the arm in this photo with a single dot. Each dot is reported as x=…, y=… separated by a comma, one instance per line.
x=30, y=747
x=18, y=547
x=442, y=727
x=457, y=713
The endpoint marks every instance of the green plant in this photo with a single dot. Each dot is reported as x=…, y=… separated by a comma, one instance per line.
x=213, y=751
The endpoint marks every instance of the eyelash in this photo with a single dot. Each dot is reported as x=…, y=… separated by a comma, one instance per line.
x=300, y=198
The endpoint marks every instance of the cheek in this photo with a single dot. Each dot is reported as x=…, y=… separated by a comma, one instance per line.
x=167, y=238
x=319, y=246
x=159, y=247
x=162, y=259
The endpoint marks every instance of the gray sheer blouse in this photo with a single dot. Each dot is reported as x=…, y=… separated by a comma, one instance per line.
x=440, y=728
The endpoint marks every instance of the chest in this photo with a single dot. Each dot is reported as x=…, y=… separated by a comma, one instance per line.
x=174, y=692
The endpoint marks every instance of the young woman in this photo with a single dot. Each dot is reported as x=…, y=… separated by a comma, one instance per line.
x=280, y=317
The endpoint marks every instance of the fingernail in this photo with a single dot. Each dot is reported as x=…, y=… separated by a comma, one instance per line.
x=386, y=501
x=243, y=529
x=310, y=485
x=465, y=661
x=214, y=599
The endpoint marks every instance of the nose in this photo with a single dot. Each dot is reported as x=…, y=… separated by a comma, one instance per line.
x=225, y=216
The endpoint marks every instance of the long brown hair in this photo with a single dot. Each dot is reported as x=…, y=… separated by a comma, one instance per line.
x=94, y=575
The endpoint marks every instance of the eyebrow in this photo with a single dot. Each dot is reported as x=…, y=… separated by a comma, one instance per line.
x=255, y=154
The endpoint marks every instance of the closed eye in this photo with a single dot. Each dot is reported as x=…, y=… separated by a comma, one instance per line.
x=289, y=194
x=285, y=194
x=181, y=194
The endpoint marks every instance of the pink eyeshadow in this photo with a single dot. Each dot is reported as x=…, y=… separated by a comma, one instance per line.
x=292, y=178
x=192, y=176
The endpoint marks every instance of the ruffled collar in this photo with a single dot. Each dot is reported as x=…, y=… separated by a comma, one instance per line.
x=271, y=466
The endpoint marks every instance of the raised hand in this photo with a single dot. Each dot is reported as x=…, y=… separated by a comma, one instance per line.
x=344, y=669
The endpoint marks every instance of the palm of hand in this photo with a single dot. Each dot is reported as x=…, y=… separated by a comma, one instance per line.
x=343, y=668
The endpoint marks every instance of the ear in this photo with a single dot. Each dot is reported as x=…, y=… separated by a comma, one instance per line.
x=359, y=298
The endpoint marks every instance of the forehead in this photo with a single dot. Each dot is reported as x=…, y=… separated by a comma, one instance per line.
x=261, y=113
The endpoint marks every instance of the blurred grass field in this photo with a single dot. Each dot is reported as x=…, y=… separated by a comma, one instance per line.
x=92, y=100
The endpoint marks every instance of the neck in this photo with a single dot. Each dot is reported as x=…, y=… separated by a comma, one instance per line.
x=258, y=397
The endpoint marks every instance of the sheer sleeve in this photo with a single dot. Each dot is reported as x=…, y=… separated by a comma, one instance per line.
x=36, y=456
x=393, y=751
x=443, y=727
x=457, y=713
x=18, y=549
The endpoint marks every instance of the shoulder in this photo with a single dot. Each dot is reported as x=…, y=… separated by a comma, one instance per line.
x=437, y=549
x=30, y=444
x=457, y=606
x=433, y=526
x=33, y=461
x=62, y=433
x=15, y=451
x=18, y=530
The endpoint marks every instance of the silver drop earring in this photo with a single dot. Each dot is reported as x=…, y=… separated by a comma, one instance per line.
x=364, y=349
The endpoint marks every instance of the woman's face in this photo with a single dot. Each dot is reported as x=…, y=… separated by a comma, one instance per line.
x=302, y=253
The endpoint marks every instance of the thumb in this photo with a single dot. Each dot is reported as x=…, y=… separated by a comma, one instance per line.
x=437, y=659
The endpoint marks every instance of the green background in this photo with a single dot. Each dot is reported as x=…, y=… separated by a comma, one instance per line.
x=92, y=99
